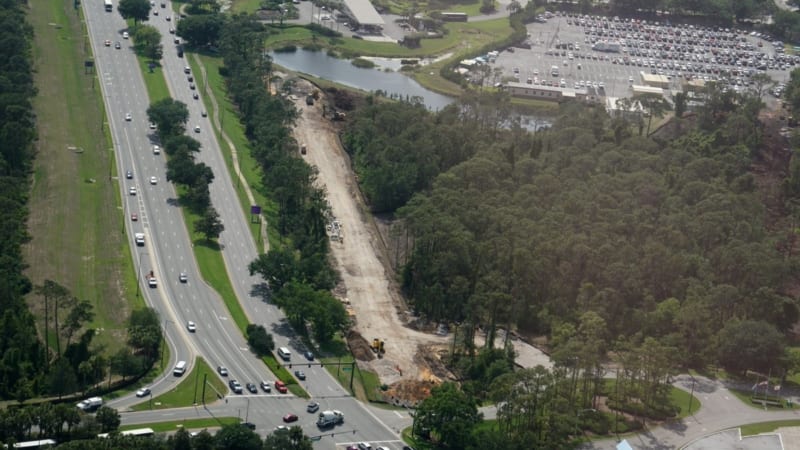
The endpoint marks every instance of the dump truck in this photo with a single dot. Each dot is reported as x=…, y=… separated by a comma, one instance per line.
x=90, y=404
x=330, y=418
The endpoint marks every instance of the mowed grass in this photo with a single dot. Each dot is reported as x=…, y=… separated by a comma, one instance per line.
x=191, y=424
x=189, y=391
x=767, y=427
x=461, y=36
x=76, y=224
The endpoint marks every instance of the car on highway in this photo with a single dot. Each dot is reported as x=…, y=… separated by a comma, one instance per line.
x=155, y=12
x=312, y=407
x=134, y=217
x=108, y=42
x=169, y=18
x=129, y=174
x=204, y=113
x=251, y=387
x=289, y=418
x=156, y=150
x=132, y=190
x=125, y=35
x=192, y=86
x=222, y=370
x=153, y=180
x=364, y=446
x=195, y=96
x=300, y=374
x=187, y=70
x=309, y=356
x=128, y=117
x=197, y=128
x=191, y=326
x=117, y=45
x=265, y=386
x=171, y=30
x=235, y=386
x=281, y=387
x=183, y=278
x=163, y=5
x=189, y=78
x=143, y=392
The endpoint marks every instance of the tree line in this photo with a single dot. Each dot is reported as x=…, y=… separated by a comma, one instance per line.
x=296, y=269
x=22, y=354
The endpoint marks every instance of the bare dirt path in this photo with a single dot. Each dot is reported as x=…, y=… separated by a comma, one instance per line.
x=369, y=288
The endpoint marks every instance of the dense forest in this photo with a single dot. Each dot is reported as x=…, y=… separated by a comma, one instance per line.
x=22, y=356
x=663, y=239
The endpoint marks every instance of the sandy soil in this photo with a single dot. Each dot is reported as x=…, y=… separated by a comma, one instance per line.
x=360, y=255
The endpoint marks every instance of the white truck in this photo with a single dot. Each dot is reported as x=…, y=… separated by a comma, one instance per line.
x=330, y=418
x=139, y=238
x=151, y=280
x=90, y=404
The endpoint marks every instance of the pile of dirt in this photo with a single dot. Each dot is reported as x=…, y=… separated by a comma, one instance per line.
x=431, y=359
x=409, y=393
x=359, y=346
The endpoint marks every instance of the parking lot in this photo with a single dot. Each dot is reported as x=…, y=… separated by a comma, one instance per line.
x=679, y=52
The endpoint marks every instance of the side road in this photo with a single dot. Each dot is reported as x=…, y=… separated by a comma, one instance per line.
x=721, y=410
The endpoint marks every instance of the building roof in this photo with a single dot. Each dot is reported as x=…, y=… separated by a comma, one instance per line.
x=364, y=12
x=654, y=78
x=639, y=89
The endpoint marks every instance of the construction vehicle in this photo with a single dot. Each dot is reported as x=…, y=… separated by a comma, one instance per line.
x=377, y=347
x=338, y=115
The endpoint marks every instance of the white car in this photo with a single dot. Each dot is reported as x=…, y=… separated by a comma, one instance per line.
x=197, y=128
x=132, y=190
x=125, y=35
x=191, y=326
x=153, y=180
x=183, y=278
x=143, y=392
x=128, y=117
x=156, y=150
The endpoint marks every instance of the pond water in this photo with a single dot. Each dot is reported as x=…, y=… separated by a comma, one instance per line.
x=321, y=65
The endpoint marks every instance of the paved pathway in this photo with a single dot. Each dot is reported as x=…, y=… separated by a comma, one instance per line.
x=721, y=410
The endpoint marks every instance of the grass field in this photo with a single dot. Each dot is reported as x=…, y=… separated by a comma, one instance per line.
x=192, y=424
x=189, y=391
x=767, y=427
x=76, y=224
x=460, y=36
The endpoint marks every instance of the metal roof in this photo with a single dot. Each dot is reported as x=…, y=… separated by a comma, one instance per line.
x=364, y=12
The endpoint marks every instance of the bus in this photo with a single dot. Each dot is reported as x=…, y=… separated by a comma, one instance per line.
x=108, y=5
x=42, y=443
x=137, y=432
x=454, y=16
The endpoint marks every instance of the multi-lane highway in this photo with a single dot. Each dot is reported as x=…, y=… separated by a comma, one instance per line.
x=167, y=250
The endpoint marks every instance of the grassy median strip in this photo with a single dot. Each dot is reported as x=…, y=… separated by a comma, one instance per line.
x=191, y=424
x=767, y=427
x=189, y=391
x=76, y=225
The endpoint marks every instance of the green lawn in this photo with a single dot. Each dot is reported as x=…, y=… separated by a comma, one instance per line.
x=191, y=424
x=681, y=399
x=745, y=396
x=154, y=81
x=189, y=391
x=767, y=427
x=87, y=252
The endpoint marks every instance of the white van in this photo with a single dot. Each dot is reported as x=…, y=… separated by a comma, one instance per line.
x=284, y=353
x=180, y=368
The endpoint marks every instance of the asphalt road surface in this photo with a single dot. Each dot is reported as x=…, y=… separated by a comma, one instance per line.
x=168, y=252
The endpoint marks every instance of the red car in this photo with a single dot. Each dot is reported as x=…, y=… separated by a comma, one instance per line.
x=134, y=217
x=290, y=418
x=281, y=387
